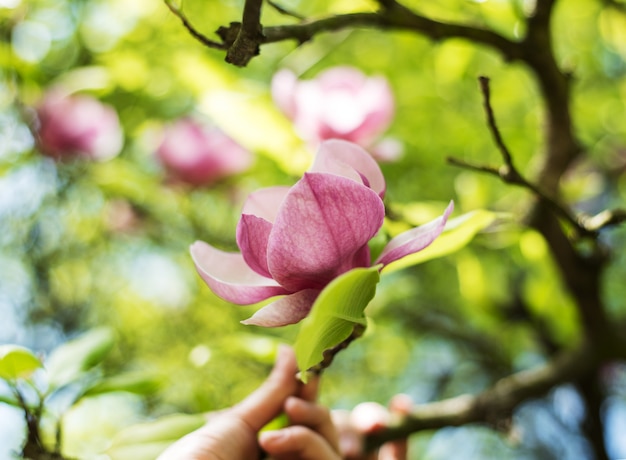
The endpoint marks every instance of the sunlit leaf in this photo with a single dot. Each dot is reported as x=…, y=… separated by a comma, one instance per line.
x=72, y=359
x=457, y=234
x=148, y=440
x=17, y=362
x=10, y=401
x=148, y=451
x=334, y=314
x=138, y=383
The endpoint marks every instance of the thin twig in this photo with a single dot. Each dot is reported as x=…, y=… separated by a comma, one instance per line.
x=509, y=173
x=285, y=11
x=192, y=30
x=491, y=120
x=329, y=355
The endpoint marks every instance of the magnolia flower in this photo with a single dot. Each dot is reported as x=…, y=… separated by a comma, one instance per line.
x=77, y=125
x=200, y=155
x=341, y=103
x=295, y=240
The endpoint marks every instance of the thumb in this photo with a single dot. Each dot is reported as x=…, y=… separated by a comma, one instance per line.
x=260, y=407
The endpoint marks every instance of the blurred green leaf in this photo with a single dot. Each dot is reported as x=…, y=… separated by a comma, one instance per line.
x=336, y=311
x=138, y=383
x=72, y=359
x=148, y=440
x=10, y=401
x=17, y=362
x=457, y=234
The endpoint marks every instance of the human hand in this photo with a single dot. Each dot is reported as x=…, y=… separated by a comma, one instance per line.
x=316, y=434
x=366, y=418
x=231, y=434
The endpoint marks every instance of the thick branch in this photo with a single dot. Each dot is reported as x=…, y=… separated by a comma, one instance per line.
x=250, y=36
x=495, y=405
x=393, y=16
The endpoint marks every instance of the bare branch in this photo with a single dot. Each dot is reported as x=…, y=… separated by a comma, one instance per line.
x=509, y=173
x=604, y=219
x=495, y=405
x=285, y=11
x=393, y=16
x=190, y=28
x=249, y=37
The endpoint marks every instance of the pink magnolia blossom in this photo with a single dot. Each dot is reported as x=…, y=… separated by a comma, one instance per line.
x=200, y=155
x=341, y=103
x=295, y=240
x=77, y=125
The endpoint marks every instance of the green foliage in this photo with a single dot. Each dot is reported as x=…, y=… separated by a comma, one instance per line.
x=105, y=244
x=72, y=359
x=17, y=362
x=73, y=370
x=458, y=233
x=338, y=309
x=148, y=440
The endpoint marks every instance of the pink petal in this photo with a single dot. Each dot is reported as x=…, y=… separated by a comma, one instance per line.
x=346, y=159
x=321, y=229
x=252, y=236
x=199, y=154
x=229, y=277
x=284, y=85
x=253, y=229
x=414, y=240
x=388, y=149
x=264, y=203
x=286, y=310
x=377, y=102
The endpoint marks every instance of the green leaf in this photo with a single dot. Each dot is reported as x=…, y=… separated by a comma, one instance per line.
x=9, y=400
x=334, y=315
x=138, y=383
x=457, y=234
x=70, y=360
x=17, y=362
x=148, y=440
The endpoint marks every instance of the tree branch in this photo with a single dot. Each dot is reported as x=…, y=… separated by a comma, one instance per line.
x=393, y=16
x=194, y=33
x=495, y=405
x=509, y=173
x=249, y=37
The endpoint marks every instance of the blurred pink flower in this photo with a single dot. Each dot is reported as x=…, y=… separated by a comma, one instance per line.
x=341, y=103
x=295, y=240
x=77, y=125
x=200, y=155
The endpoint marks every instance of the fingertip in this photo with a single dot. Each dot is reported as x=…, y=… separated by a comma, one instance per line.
x=268, y=439
x=401, y=404
x=285, y=356
x=369, y=416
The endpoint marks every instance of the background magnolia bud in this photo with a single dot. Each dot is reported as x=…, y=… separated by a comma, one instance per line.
x=201, y=155
x=77, y=125
x=340, y=103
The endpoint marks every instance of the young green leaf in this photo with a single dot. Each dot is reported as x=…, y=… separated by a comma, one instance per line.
x=148, y=440
x=138, y=383
x=335, y=313
x=457, y=234
x=17, y=362
x=73, y=358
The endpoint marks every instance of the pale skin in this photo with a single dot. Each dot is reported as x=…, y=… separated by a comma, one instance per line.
x=313, y=434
